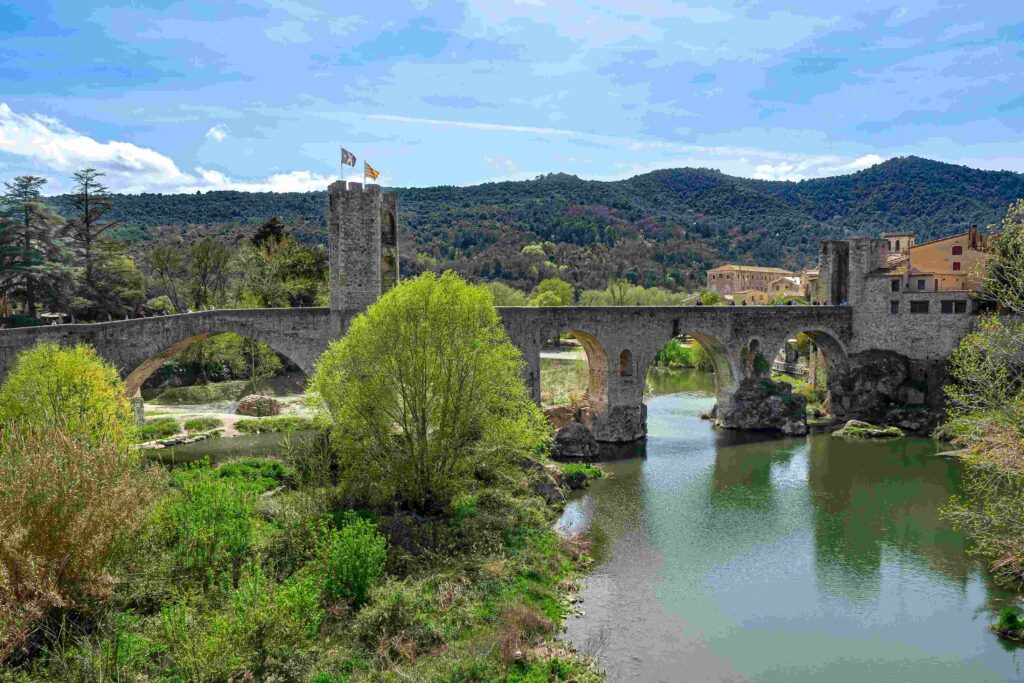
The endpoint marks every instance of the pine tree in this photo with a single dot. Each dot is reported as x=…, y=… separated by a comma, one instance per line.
x=33, y=252
x=92, y=200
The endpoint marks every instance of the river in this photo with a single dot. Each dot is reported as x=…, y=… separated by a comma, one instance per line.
x=735, y=557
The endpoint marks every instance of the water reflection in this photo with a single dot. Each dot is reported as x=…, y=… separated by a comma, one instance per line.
x=730, y=556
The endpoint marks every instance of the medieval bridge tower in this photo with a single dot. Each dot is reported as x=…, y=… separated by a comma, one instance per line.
x=362, y=229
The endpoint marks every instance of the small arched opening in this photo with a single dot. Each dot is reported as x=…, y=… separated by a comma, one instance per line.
x=388, y=251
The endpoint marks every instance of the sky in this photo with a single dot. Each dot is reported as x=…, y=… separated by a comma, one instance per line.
x=179, y=96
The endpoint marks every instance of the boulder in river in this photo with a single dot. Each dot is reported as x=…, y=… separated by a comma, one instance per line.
x=856, y=429
x=575, y=442
x=258, y=405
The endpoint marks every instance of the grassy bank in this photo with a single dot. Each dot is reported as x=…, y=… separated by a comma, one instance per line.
x=242, y=572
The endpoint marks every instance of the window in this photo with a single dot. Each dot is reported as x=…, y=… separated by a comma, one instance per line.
x=947, y=306
x=626, y=363
x=956, y=265
x=957, y=250
x=897, y=245
x=959, y=306
x=918, y=306
x=920, y=284
x=894, y=307
x=895, y=285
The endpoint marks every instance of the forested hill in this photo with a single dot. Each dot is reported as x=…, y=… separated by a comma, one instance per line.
x=689, y=218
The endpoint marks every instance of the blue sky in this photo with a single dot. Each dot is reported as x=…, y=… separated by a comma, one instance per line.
x=182, y=95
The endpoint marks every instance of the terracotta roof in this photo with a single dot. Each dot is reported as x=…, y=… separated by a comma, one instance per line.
x=760, y=269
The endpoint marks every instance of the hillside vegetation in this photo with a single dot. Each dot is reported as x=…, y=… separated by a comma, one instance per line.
x=664, y=227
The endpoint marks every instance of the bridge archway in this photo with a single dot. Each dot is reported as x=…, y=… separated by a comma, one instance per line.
x=151, y=364
x=811, y=353
x=723, y=364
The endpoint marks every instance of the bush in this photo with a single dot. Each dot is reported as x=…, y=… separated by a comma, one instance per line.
x=256, y=474
x=71, y=389
x=352, y=560
x=64, y=505
x=392, y=624
x=1009, y=624
x=203, y=424
x=207, y=525
x=423, y=389
x=158, y=428
x=263, y=425
x=575, y=475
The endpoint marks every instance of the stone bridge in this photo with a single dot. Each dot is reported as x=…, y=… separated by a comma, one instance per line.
x=620, y=344
x=878, y=344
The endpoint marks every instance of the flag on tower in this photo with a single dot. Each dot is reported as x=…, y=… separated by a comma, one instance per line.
x=347, y=157
x=370, y=171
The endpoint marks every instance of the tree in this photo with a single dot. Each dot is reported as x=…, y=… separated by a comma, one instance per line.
x=36, y=266
x=505, y=295
x=281, y=272
x=1004, y=281
x=208, y=272
x=117, y=289
x=553, y=292
x=425, y=391
x=67, y=388
x=168, y=264
x=92, y=201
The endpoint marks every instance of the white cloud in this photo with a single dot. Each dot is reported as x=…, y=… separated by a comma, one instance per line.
x=51, y=144
x=217, y=133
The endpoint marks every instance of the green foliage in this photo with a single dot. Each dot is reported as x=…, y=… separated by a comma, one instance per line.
x=263, y=425
x=394, y=615
x=256, y=475
x=71, y=389
x=1005, y=278
x=423, y=390
x=677, y=355
x=203, y=424
x=279, y=271
x=553, y=292
x=158, y=428
x=206, y=524
x=505, y=295
x=212, y=392
x=623, y=293
x=576, y=475
x=351, y=560
x=1009, y=624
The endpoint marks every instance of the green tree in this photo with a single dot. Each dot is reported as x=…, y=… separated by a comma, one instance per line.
x=281, y=272
x=67, y=388
x=209, y=271
x=505, y=295
x=424, y=391
x=167, y=263
x=553, y=292
x=1005, y=278
x=92, y=201
x=117, y=288
x=31, y=235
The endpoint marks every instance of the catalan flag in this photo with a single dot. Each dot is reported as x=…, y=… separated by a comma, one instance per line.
x=370, y=171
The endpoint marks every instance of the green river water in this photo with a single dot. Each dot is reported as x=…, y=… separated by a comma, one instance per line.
x=732, y=557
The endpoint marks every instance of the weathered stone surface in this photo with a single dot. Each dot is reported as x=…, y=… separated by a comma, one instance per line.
x=258, y=405
x=856, y=429
x=561, y=415
x=575, y=442
x=545, y=480
x=764, y=405
x=887, y=388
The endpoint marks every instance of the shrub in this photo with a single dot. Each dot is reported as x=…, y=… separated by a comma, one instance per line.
x=423, y=388
x=575, y=475
x=207, y=525
x=1009, y=624
x=352, y=560
x=64, y=505
x=203, y=424
x=261, y=425
x=158, y=428
x=256, y=474
x=392, y=625
x=71, y=389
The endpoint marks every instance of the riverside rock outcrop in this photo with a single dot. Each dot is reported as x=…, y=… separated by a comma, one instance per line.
x=764, y=405
x=574, y=442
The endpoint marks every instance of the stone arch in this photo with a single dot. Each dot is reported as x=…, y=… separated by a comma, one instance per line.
x=725, y=366
x=825, y=340
x=143, y=370
x=597, y=376
x=626, y=363
x=388, y=250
